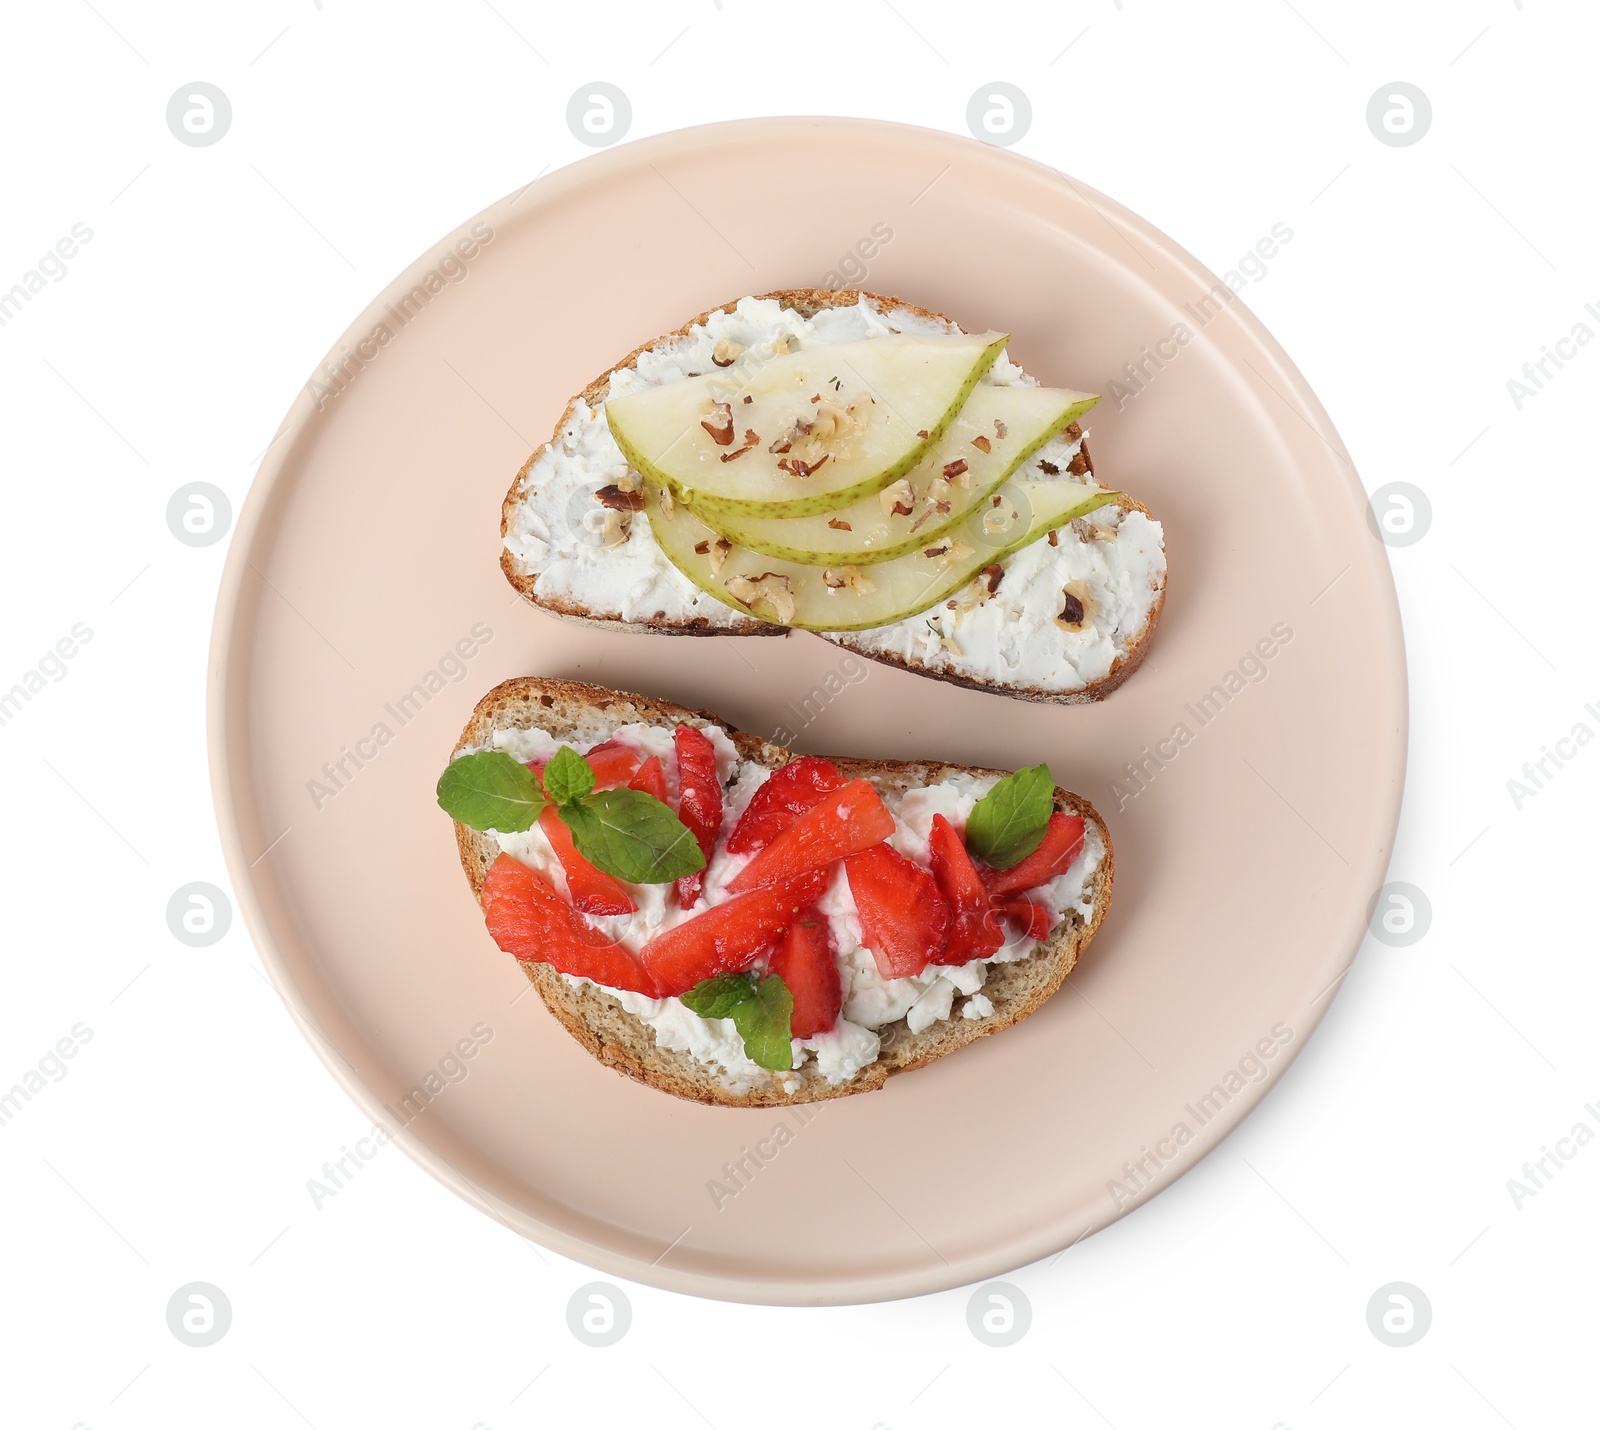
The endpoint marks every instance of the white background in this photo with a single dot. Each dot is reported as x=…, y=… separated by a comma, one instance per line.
x=178, y=1145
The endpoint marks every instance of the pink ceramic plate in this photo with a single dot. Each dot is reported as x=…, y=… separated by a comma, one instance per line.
x=1251, y=799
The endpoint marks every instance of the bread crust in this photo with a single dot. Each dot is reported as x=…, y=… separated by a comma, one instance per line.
x=807, y=302
x=574, y=709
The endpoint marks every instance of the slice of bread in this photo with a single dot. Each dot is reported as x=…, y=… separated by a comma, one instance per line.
x=699, y=614
x=572, y=710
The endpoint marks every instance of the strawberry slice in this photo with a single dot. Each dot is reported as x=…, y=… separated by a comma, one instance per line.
x=593, y=890
x=1063, y=842
x=699, y=801
x=728, y=937
x=786, y=795
x=613, y=764
x=976, y=931
x=1036, y=920
x=529, y=920
x=850, y=819
x=808, y=963
x=651, y=778
x=905, y=920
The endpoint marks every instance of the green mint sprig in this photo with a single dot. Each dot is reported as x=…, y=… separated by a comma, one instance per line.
x=1009, y=822
x=626, y=833
x=761, y=1009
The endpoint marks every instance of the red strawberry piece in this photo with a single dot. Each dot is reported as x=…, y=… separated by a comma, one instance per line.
x=727, y=937
x=613, y=764
x=1063, y=842
x=786, y=794
x=905, y=920
x=531, y=921
x=976, y=931
x=699, y=801
x=1036, y=920
x=850, y=819
x=808, y=963
x=593, y=890
x=651, y=778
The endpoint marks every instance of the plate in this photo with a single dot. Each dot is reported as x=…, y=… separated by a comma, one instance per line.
x=1252, y=801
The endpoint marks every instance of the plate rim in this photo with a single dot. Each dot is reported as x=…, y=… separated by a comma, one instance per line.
x=227, y=756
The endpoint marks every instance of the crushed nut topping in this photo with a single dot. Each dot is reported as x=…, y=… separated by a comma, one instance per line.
x=619, y=500
x=992, y=575
x=748, y=399
x=1079, y=463
x=720, y=424
x=955, y=468
x=725, y=352
x=897, y=499
x=816, y=397
x=797, y=468
x=779, y=344
x=837, y=578
x=932, y=552
x=839, y=525
x=719, y=553
x=1086, y=530
x=702, y=548
x=922, y=432
x=1055, y=538
x=1050, y=469
x=614, y=528
x=918, y=524
x=981, y=443
x=750, y=441
x=668, y=502
x=1077, y=607
x=999, y=428
x=769, y=588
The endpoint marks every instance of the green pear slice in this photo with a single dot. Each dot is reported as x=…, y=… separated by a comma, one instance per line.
x=854, y=598
x=796, y=433
x=997, y=430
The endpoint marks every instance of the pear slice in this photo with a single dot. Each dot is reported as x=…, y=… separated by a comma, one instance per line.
x=791, y=434
x=854, y=598
x=998, y=430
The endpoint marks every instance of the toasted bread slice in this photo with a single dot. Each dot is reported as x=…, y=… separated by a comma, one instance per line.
x=572, y=710
x=648, y=595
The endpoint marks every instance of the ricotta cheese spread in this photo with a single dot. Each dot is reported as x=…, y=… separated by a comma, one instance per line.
x=580, y=552
x=871, y=1001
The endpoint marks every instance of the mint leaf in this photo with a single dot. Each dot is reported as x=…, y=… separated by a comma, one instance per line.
x=718, y=997
x=1009, y=822
x=761, y=1011
x=568, y=776
x=763, y=1022
x=490, y=790
x=633, y=836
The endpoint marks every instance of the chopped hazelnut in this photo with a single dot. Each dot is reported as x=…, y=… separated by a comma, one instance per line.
x=981, y=443
x=720, y=424
x=619, y=500
x=897, y=498
x=769, y=589
x=719, y=553
x=1077, y=607
x=725, y=352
